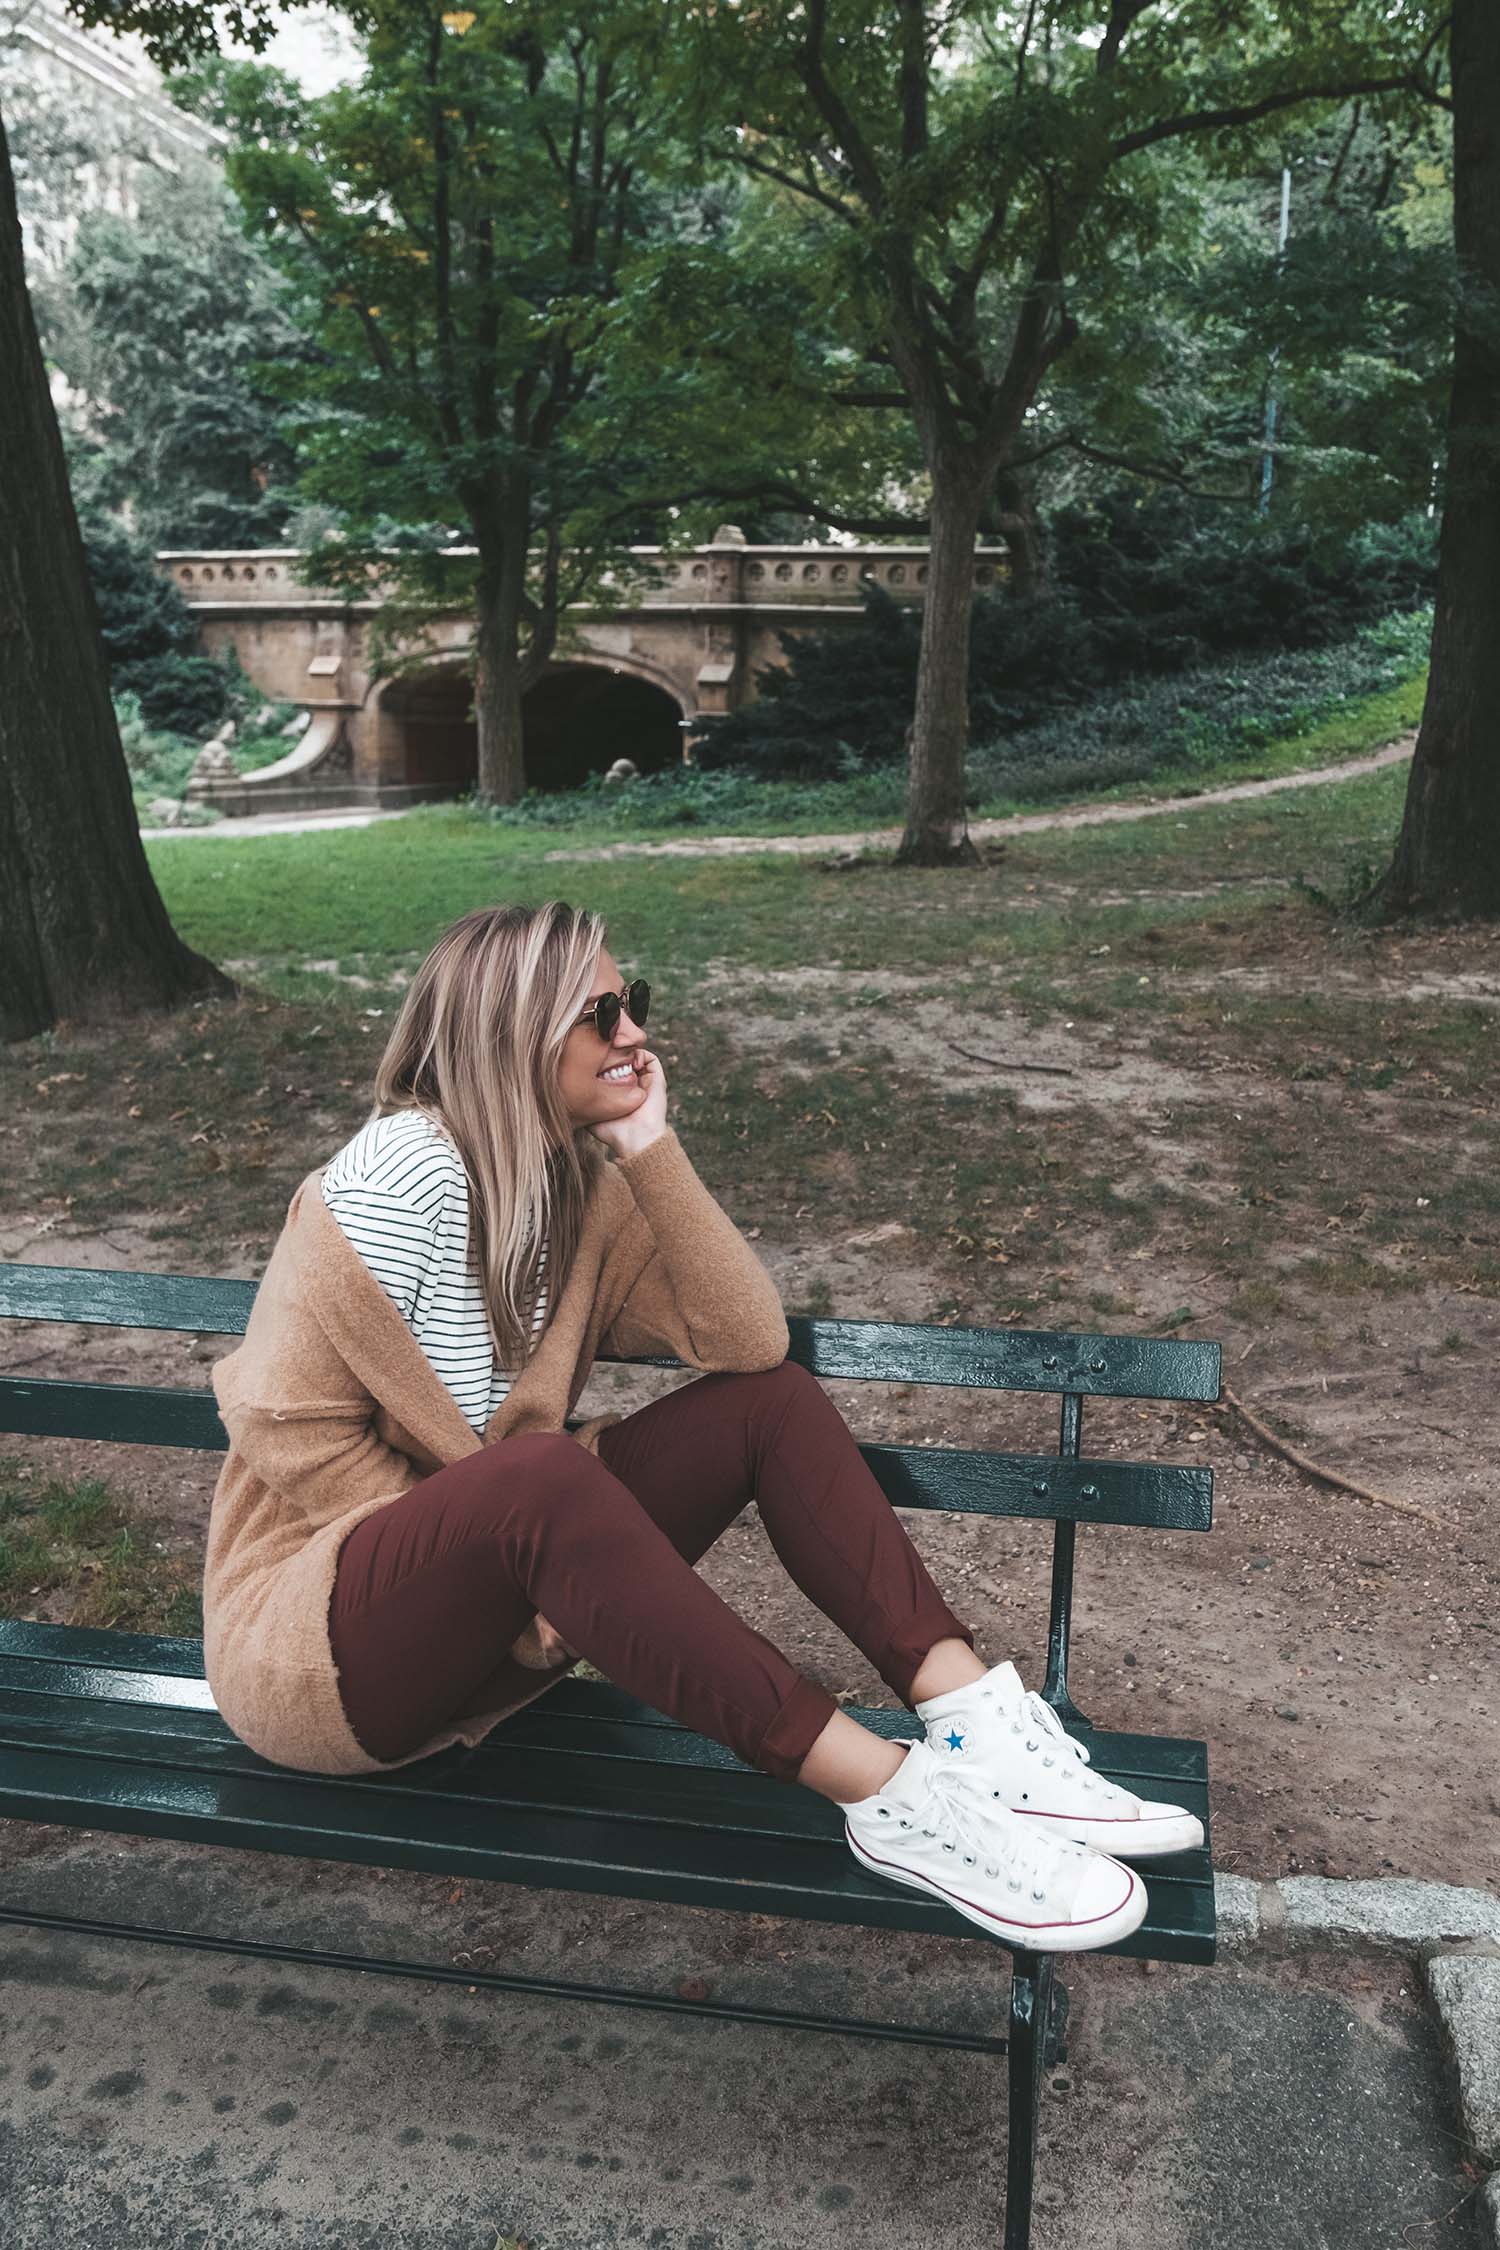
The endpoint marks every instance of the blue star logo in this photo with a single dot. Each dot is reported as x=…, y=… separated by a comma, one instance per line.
x=954, y=1739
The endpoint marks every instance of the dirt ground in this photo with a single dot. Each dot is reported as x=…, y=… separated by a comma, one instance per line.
x=1338, y=1655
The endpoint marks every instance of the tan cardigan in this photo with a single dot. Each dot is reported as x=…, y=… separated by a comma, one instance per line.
x=333, y=1411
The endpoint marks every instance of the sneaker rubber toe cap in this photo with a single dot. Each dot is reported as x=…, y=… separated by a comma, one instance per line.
x=1109, y=1897
x=1168, y=1828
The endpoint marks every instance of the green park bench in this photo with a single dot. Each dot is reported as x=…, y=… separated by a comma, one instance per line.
x=587, y=1789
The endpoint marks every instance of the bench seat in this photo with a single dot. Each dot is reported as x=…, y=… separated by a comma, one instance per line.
x=585, y=1789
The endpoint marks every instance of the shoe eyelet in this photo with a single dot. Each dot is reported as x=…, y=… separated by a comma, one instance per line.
x=1048, y=1761
x=995, y=1793
x=1026, y=1796
x=1031, y=1746
x=1013, y=1886
x=1039, y=1896
x=1015, y=1726
x=949, y=1847
x=885, y=1812
x=968, y=1859
x=906, y=1824
x=992, y=1872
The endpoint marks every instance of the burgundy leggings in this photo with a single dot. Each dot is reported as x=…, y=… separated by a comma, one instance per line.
x=432, y=1590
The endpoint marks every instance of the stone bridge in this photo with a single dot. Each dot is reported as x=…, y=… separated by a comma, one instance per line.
x=632, y=679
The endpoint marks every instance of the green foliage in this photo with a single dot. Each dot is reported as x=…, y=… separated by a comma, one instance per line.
x=1205, y=719
x=186, y=695
x=468, y=230
x=158, y=322
x=681, y=797
x=1139, y=587
x=150, y=637
x=161, y=760
x=1288, y=707
x=143, y=618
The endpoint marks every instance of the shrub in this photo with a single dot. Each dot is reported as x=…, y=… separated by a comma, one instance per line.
x=142, y=616
x=1139, y=588
x=183, y=694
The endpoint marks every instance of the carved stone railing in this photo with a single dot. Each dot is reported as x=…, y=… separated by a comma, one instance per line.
x=729, y=571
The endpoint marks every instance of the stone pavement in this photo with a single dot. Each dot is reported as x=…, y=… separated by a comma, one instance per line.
x=1296, y=2097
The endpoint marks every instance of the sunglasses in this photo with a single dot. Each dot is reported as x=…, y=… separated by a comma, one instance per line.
x=634, y=999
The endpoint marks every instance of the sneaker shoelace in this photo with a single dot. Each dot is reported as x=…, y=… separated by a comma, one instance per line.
x=946, y=1812
x=1035, y=1718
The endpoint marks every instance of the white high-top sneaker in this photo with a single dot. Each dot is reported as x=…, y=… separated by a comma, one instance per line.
x=1013, y=1748
x=928, y=1830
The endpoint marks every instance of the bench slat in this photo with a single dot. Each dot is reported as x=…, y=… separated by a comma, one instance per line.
x=197, y=1302
x=511, y=1776
x=1168, y=1496
x=629, y=1759
x=812, y=1878
x=576, y=1718
x=111, y=1413
x=1160, y=1367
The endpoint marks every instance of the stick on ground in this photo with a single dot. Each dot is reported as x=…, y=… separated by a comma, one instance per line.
x=1332, y=1476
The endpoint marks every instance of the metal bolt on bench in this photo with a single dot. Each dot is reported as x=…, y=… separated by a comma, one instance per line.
x=587, y=1789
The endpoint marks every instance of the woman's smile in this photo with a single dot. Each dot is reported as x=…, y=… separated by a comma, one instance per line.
x=617, y=1073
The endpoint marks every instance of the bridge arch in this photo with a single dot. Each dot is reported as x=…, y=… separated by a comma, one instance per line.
x=580, y=716
x=585, y=712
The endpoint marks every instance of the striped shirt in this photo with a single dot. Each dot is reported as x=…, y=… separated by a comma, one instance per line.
x=399, y=1192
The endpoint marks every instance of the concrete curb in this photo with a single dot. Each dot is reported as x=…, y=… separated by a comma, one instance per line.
x=1454, y=1933
x=1391, y=1911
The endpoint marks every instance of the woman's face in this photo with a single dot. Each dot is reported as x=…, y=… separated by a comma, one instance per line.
x=592, y=1095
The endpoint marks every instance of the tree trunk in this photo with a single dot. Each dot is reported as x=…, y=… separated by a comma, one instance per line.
x=1447, y=857
x=1011, y=515
x=83, y=932
x=503, y=544
x=937, y=832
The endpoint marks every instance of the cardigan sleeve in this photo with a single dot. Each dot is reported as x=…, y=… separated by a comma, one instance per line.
x=702, y=1293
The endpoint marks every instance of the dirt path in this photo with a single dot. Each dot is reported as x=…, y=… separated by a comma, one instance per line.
x=707, y=847
x=1014, y=824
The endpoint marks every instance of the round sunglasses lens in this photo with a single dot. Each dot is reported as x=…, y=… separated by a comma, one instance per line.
x=638, y=1000
x=606, y=1014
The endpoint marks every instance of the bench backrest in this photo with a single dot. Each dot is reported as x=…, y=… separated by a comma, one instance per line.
x=1064, y=1488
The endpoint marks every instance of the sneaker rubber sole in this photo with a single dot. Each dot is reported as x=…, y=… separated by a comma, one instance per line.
x=1123, y=1839
x=1035, y=1937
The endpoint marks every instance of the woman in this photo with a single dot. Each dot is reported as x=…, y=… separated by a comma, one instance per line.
x=406, y=1544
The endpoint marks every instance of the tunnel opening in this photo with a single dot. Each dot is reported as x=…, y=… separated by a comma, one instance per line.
x=576, y=721
x=428, y=721
x=581, y=717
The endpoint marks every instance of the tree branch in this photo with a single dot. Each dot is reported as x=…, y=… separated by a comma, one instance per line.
x=1122, y=15
x=807, y=188
x=1247, y=113
x=1154, y=470
x=835, y=112
x=913, y=76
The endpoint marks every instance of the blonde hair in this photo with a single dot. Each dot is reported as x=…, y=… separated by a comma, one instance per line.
x=477, y=1047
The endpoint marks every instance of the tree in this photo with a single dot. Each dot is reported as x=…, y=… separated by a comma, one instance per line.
x=83, y=932
x=1447, y=856
x=468, y=222
x=970, y=169
x=163, y=319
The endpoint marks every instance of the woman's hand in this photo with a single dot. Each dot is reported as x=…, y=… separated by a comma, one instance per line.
x=541, y=1648
x=627, y=1136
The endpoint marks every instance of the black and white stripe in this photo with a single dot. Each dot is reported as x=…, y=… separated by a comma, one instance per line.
x=399, y=1192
